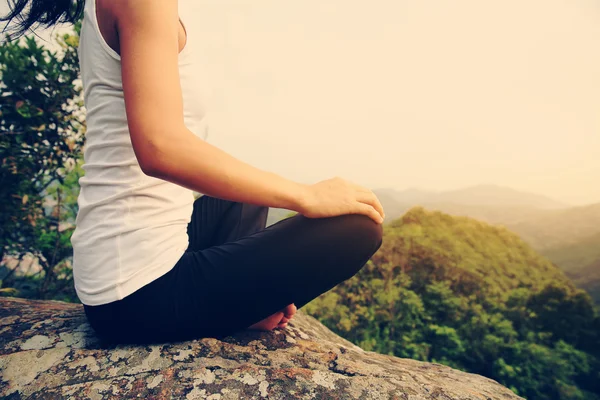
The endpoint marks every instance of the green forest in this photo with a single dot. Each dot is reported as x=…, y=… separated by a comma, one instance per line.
x=448, y=289
x=569, y=236
x=461, y=292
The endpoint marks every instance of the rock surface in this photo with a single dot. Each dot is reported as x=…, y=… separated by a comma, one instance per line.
x=48, y=350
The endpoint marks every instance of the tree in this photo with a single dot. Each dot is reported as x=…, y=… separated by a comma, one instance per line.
x=42, y=127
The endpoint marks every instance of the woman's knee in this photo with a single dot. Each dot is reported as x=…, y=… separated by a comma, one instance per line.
x=364, y=232
x=361, y=239
x=336, y=246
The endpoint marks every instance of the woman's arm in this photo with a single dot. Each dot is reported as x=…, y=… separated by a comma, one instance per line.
x=149, y=45
x=207, y=169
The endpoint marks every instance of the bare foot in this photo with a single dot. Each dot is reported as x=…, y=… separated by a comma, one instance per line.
x=288, y=313
x=277, y=320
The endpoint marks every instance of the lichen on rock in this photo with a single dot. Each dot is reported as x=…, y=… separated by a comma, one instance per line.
x=48, y=350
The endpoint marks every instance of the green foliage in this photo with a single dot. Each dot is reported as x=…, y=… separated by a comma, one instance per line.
x=473, y=296
x=42, y=127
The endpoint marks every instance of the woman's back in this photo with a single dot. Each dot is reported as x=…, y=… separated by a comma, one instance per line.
x=131, y=227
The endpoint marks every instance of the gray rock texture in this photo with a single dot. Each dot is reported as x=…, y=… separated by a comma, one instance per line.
x=48, y=350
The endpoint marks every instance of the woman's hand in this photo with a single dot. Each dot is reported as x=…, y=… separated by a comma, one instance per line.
x=337, y=196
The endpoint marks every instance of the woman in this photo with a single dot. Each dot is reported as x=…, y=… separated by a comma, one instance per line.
x=150, y=262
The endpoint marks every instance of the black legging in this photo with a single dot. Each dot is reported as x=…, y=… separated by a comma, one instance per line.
x=236, y=272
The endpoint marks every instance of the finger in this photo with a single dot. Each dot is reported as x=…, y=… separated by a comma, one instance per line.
x=378, y=206
x=375, y=203
x=370, y=198
x=370, y=212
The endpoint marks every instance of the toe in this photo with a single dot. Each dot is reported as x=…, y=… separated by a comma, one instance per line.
x=290, y=310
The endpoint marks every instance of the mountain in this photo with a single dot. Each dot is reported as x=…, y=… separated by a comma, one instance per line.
x=559, y=227
x=493, y=195
x=577, y=255
x=493, y=254
x=489, y=213
x=408, y=196
x=581, y=262
x=568, y=237
x=588, y=278
x=479, y=195
x=489, y=203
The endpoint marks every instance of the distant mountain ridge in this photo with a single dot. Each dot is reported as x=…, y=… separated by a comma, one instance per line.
x=490, y=203
x=559, y=227
x=478, y=195
x=520, y=211
x=539, y=220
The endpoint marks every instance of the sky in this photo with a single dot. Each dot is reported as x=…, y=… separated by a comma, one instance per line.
x=436, y=95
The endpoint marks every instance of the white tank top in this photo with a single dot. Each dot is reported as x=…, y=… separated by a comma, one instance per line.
x=130, y=228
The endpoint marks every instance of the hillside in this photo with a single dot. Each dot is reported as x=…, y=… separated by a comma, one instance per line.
x=492, y=254
x=581, y=263
x=472, y=296
x=588, y=278
x=569, y=237
x=540, y=221
x=576, y=256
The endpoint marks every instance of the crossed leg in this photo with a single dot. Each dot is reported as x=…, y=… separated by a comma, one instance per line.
x=258, y=275
x=239, y=275
x=216, y=221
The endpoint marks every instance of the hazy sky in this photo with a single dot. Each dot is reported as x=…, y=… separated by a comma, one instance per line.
x=430, y=94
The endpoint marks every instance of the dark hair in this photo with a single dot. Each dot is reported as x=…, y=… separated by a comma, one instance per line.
x=45, y=12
